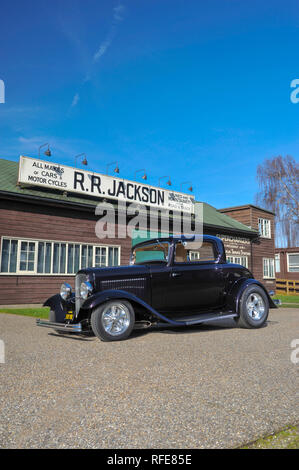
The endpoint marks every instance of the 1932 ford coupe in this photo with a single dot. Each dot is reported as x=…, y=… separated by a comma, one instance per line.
x=177, y=281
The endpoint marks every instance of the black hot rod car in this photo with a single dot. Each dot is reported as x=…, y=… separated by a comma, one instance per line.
x=170, y=281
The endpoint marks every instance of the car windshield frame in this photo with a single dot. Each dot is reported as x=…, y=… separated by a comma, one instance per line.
x=144, y=247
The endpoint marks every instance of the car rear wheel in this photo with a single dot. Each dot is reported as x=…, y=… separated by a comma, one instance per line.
x=254, y=308
x=113, y=320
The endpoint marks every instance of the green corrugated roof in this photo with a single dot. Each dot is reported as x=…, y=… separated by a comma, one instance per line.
x=8, y=184
x=213, y=217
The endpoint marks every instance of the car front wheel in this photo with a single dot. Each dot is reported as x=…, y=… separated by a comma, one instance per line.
x=113, y=320
x=253, y=308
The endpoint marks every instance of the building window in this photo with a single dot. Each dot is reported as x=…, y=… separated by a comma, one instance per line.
x=293, y=262
x=268, y=268
x=277, y=262
x=48, y=257
x=265, y=228
x=27, y=256
x=243, y=260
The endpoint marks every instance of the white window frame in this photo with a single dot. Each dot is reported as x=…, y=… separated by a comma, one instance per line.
x=269, y=261
x=21, y=271
x=36, y=242
x=288, y=263
x=277, y=260
x=234, y=260
x=264, y=232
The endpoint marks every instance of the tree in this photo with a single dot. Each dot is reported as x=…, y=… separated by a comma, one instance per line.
x=278, y=180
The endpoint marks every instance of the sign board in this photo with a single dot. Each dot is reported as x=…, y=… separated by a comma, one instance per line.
x=50, y=175
x=235, y=246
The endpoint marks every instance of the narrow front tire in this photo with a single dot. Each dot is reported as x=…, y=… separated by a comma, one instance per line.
x=113, y=320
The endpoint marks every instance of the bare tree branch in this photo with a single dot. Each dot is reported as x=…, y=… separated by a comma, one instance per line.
x=278, y=180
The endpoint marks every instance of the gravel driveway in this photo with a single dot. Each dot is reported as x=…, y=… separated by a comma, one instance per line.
x=209, y=386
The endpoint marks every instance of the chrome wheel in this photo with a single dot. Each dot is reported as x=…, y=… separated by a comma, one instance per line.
x=116, y=319
x=255, y=306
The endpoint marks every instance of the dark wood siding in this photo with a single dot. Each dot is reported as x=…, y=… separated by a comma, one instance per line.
x=249, y=216
x=284, y=273
x=22, y=220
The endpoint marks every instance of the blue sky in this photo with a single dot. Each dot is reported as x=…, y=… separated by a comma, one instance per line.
x=196, y=90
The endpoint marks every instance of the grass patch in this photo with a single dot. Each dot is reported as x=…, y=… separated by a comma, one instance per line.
x=286, y=439
x=290, y=301
x=28, y=312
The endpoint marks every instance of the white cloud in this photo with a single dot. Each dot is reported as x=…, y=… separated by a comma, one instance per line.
x=75, y=100
x=117, y=18
x=118, y=11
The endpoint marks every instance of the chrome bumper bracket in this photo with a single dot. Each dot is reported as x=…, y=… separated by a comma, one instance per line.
x=66, y=327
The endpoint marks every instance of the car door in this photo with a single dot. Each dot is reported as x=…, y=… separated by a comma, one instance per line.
x=194, y=281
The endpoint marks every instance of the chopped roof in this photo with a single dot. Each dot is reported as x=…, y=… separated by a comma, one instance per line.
x=8, y=186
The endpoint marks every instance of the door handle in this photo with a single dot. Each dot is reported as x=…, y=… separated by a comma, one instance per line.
x=176, y=274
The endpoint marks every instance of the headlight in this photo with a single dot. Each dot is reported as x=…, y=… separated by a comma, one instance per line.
x=85, y=289
x=65, y=291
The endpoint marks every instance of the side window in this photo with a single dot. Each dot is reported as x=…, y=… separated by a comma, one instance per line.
x=193, y=252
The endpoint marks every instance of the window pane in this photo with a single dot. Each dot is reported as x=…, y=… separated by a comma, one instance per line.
x=293, y=260
x=70, y=259
x=48, y=258
x=192, y=252
x=110, y=256
x=62, y=258
x=100, y=257
x=83, y=256
x=265, y=268
x=27, y=256
x=270, y=268
x=277, y=263
x=77, y=258
x=56, y=258
x=13, y=256
x=116, y=256
x=90, y=256
x=40, y=257
x=5, y=256
x=293, y=263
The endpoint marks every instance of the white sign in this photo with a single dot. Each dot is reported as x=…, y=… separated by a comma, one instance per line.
x=35, y=172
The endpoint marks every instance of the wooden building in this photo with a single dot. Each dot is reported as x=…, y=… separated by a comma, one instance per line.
x=263, y=252
x=47, y=235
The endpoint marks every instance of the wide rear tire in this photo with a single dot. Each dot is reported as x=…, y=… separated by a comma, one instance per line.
x=113, y=321
x=253, y=308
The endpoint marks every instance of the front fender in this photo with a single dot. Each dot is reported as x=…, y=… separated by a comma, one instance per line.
x=59, y=307
x=234, y=296
x=104, y=296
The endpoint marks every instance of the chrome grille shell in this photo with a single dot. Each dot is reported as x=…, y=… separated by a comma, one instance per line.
x=81, y=277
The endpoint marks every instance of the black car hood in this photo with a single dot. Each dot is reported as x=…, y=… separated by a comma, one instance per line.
x=121, y=272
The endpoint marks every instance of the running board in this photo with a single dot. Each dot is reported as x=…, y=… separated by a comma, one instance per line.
x=197, y=319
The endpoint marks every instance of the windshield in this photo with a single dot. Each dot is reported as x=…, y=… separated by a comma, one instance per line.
x=153, y=252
